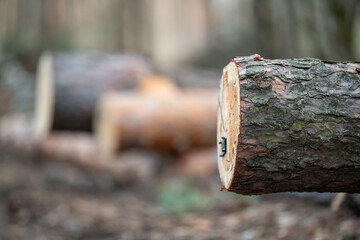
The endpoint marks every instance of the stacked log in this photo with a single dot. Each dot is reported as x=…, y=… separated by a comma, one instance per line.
x=80, y=92
x=289, y=125
x=75, y=149
x=167, y=122
x=81, y=150
x=120, y=98
x=69, y=86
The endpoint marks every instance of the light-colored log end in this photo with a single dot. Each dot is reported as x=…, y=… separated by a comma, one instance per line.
x=104, y=125
x=229, y=121
x=44, y=95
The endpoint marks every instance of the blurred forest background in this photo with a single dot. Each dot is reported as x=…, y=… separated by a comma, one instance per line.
x=190, y=42
x=204, y=32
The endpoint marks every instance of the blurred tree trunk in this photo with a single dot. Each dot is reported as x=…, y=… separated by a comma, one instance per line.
x=264, y=28
x=176, y=31
x=344, y=13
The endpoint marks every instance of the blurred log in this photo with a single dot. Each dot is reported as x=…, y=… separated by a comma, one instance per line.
x=164, y=122
x=82, y=150
x=157, y=85
x=197, y=162
x=289, y=125
x=76, y=149
x=69, y=85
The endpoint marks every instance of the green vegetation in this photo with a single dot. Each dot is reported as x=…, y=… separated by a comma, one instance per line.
x=181, y=197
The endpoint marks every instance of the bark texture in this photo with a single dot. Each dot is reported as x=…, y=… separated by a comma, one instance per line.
x=69, y=86
x=290, y=125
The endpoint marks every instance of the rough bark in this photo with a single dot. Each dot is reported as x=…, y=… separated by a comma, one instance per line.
x=69, y=86
x=290, y=125
x=172, y=123
x=76, y=149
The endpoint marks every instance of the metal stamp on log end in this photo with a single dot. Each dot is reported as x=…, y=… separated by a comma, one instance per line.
x=223, y=146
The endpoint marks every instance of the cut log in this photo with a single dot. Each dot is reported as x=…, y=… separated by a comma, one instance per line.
x=81, y=150
x=289, y=125
x=69, y=85
x=168, y=123
x=76, y=149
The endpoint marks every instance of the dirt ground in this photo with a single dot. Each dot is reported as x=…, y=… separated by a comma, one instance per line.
x=45, y=200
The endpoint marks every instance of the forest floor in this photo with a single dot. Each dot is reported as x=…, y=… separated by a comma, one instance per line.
x=44, y=200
